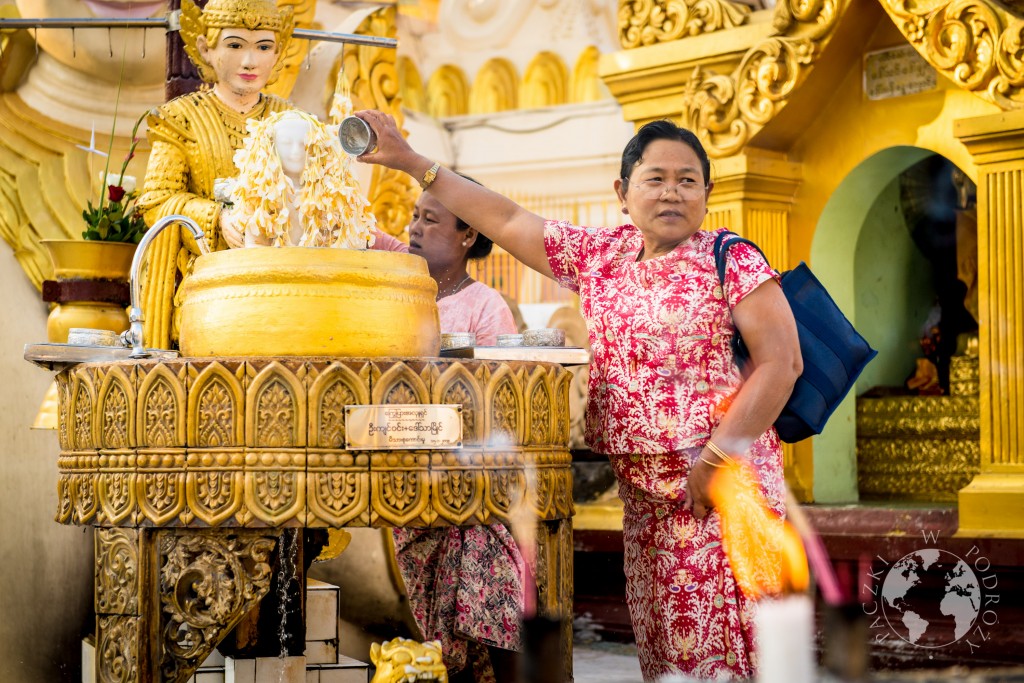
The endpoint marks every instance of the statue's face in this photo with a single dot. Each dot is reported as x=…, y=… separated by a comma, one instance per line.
x=90, y=50
x=290, y=135
x=242, y=59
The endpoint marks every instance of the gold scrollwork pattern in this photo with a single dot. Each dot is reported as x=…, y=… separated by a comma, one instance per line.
x=117, y=649
x=977, y=44
x=117, y=571
x=193, y=419
x=648, y=22
x=207, y=584
x=725, y=110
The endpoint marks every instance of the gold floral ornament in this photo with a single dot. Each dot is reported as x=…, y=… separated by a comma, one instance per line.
x=332, y=210
x=254, y=15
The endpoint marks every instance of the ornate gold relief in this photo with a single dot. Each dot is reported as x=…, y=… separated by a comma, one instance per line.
x=505, y=411
x=161, y=418
x=494, y=88
x=447, y=92
x=207, y=583
x=400, y=489
x=160, y=487
x=63, y=380
x=726, y=110
x=414, y=96
x=275, y=404
x=977, y=44
x=115, y=487
x=331, y=388
x=338, y=492
x=83, y=397
x=117, y=649
x=397, y=382
x=586, y=86
x=215, y=402
x=456, y=384
x=458, y=487
x=506, y=488
x=117, y=571
x=539, y=413
x=647, y=22
x=545, y=82
x=275, y=487
x=214, y=485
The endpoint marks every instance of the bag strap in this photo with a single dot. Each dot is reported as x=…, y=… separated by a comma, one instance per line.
x=720, y=251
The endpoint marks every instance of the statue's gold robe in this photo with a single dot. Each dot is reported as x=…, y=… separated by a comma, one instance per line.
x=194, y=139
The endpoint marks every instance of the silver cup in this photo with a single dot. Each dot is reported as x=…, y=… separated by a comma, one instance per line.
x=545, y=336
x=356, y=136
x=456, y=340
x=87, y=336
x=510, y=340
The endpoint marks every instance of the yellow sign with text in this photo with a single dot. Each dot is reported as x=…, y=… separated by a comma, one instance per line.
x=402, y=427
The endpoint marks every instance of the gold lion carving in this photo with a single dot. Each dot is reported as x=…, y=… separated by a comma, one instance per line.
x=401, y=660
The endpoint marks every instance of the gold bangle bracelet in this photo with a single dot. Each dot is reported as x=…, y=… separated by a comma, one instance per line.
x=713, y=447
x=708, y=462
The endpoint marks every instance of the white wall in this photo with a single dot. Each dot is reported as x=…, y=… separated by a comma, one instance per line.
x=45, y=568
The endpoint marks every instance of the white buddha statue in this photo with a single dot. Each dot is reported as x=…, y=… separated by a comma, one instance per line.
x=295, y=188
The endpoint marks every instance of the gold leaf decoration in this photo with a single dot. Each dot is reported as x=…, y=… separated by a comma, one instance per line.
x=648, y=22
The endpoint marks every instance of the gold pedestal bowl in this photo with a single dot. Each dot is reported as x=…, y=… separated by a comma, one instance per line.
x=300, y=301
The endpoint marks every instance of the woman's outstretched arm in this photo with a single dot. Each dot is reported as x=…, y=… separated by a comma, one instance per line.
x=513, y=228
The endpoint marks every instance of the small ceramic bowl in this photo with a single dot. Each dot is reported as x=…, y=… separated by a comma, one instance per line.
x=547, y=336
x=456, y=340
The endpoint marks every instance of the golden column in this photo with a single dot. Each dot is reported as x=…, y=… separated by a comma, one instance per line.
x=753, y=196
x=993, y=503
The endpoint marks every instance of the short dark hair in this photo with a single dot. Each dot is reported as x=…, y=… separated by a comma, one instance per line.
x=483, y=244
x=662, y=129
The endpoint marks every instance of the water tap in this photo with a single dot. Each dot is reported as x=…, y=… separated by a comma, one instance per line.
x=133, y=336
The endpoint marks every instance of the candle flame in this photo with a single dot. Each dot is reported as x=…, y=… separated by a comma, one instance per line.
x=765, y=552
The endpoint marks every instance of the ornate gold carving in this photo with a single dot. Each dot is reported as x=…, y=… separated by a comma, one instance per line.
x=447, y=92
x=275, y=405
x=215, y=400
x=162, y=406
x=977, y=44
x=207, y=583
x=413, y=95
x=400, y=660
x=495, y=87
x=545, y=82
x=117, y=571
x=193, y=479
x=726, y=110
x=115, y=403
x=647, y=22
x=586, y=85
x=117, y=649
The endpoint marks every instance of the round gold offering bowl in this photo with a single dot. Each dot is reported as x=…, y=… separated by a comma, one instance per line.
x=298, y=301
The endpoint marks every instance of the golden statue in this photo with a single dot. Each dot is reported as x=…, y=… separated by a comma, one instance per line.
x=238, y=46
x=401, y=660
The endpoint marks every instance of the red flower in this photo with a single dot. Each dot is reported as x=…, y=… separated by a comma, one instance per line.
x=115, y=193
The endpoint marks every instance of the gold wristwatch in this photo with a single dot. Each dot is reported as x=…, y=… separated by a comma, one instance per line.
x=430, y=175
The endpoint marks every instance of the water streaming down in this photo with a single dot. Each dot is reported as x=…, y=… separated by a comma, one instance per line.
x=286, y=577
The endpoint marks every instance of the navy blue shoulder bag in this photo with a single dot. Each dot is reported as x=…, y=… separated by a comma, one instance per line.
x=834, y=354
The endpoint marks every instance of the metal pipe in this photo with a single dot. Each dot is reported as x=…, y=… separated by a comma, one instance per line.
x=172, y=23
x=134, y=335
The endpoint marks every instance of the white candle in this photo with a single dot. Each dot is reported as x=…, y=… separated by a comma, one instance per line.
x=785, y=639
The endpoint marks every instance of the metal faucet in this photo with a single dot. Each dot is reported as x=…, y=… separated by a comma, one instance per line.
x=133, y=335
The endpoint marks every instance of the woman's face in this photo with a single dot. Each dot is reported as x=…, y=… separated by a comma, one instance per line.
x=432, y=234
x=665, y=195
x=242, y=59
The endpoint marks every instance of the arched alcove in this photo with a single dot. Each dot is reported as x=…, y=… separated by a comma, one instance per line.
x=494, y=88
x=447, y=92
x=866, y=252
x=545, y=82
x=414, y=97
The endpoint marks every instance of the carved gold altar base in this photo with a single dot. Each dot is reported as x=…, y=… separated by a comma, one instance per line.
x=195, y=470
x=921, y=448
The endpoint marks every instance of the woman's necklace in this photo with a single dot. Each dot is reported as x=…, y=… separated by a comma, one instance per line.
x=457, y=287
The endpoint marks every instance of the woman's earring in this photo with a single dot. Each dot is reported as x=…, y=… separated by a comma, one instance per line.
x=625, y=210
x=464, y=242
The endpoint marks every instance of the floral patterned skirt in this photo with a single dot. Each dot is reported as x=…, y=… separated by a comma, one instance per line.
x=688, y=614
x=465, y=587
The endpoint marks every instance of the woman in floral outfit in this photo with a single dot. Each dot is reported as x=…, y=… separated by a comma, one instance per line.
x=665, y=394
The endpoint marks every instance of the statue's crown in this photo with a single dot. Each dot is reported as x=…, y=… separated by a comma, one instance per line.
x=254, y=15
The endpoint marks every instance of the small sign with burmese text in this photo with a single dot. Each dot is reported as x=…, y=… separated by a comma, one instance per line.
x=403, y=426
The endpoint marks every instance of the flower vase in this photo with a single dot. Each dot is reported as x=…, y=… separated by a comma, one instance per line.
x=90, y=288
